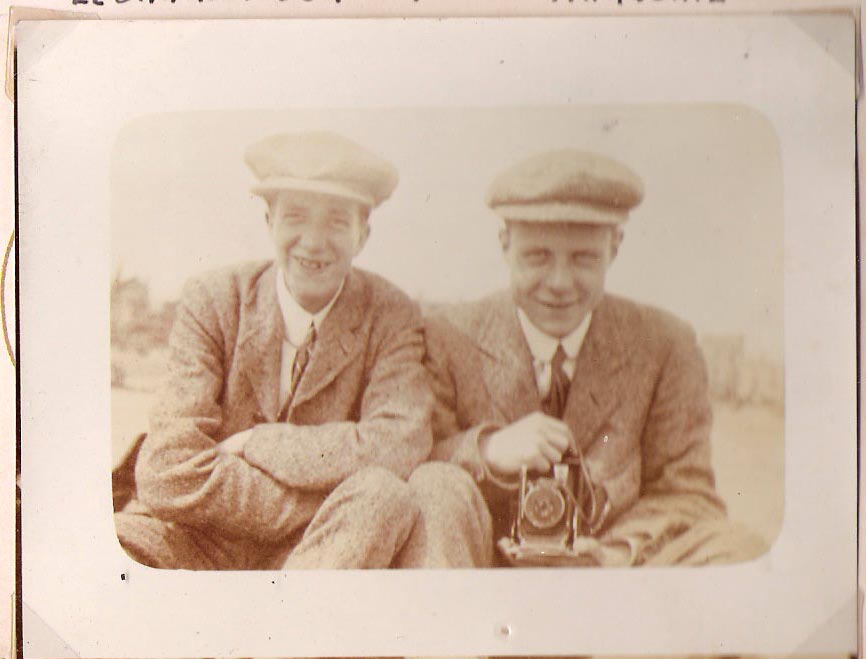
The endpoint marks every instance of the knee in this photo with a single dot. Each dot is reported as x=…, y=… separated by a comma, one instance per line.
x=439, y=483
x=442, y=478
x=131, y=527
x=456, y=523
x=732, y=542
x=382, y=493
x=140, y=537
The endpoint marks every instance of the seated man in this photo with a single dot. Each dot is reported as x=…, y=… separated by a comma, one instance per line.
x=555, y=369
x=297, y=403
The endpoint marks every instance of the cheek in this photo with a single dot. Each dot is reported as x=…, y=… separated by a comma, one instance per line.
x=345, y=247
x=284, y=239
x=591, y=281
x=526, y=280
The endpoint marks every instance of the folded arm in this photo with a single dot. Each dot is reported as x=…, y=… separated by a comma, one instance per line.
x=180, y=474
x=392, y=430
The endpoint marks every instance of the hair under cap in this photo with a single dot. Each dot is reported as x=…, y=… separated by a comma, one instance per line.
x=566, y=186
x=321, y=162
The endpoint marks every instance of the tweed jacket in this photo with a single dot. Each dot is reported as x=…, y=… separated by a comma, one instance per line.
x=637, y=406
x=363, y=400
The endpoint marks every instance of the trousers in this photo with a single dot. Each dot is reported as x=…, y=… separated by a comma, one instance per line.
x=373, y=519
x=716, y=542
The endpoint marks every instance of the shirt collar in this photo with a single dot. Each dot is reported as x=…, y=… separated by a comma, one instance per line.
x=296, y=319
x=542, y=346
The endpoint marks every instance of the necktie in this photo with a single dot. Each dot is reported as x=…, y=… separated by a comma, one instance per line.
x=554, y=403
x=302, y=358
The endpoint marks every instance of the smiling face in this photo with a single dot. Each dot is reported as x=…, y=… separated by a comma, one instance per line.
x=315, y=238
x=558, y=270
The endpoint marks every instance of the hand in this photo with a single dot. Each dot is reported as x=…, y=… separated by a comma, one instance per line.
x=537, y=441
x=234, y=444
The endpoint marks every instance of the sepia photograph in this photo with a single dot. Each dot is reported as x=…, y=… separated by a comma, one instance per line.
x=467, y=338
x=548, y=336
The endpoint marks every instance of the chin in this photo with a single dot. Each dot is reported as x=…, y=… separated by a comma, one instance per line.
x=559, y=330
x=558, y=327
x=313, y=296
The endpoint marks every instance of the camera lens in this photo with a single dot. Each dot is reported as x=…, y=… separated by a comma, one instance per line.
x=544, y=506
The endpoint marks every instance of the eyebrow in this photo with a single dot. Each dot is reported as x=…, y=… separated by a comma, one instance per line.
x=535, y=251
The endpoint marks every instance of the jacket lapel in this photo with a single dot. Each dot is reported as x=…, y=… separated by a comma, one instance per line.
x=597, y=383
x=509, y=376
x=260, y=337
x=337, y=343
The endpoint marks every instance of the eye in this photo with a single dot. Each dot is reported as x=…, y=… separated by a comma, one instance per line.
x=586, y=258
x=536, y=256
x=294, y=215
x=339, y=222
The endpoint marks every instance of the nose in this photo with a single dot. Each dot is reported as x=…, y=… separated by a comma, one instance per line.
x=559, y=279
x=313, y=239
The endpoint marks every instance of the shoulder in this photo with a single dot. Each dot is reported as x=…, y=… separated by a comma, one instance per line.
x=644, y=319
x=228, y=283
x=379, y=295
x=383, y=308
x=469, y=318
x=379, y=291
x=648, y=332
x=219, y=297
x=456, y=333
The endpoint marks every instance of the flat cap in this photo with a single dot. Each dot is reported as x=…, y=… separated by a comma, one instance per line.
x=320, y=162
x=566, y=186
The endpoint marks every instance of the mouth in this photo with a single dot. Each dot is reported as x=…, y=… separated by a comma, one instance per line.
x=311, y=266
x=558, y=305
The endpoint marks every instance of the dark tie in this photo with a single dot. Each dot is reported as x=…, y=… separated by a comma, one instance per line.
x=554, y=403
x=302, y=358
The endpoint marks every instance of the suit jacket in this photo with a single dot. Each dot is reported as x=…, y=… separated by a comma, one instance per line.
x=638, y=407
x=363, y=400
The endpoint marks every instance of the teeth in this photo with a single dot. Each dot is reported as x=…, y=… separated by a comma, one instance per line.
x=310, y=264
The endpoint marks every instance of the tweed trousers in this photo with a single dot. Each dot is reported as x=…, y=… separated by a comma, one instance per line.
x=374, y=519
x=716, y=542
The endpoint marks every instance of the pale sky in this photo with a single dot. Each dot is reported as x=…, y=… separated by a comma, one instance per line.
x=706, y=243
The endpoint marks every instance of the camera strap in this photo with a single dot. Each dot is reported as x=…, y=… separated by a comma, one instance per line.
x=589, y=497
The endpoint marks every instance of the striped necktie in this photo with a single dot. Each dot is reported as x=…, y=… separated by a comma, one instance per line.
x=554, y=402
x=302, y=358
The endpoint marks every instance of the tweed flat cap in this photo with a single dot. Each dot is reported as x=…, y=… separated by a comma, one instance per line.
x=320, y=162
x=566, y=186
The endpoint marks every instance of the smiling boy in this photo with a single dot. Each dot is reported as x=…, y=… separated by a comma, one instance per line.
x=555, y=365
x=297, y=408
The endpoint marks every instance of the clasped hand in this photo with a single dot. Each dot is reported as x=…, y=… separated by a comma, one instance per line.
x=537, y=441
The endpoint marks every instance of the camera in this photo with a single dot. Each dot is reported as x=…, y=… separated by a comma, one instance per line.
x=546, y=509
x=550, y=512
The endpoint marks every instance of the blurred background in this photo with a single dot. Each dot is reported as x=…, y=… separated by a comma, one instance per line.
x=706, y=243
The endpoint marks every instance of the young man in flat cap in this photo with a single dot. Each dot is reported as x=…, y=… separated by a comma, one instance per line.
x=556, y=368
x=297, y=405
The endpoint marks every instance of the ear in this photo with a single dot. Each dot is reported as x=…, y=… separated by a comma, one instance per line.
x=504, y=238
x=270, y=210
x=363, y=234
x=616, y=237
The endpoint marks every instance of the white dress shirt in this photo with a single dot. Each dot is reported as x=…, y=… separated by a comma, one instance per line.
x=543, y=346
x=296, y=324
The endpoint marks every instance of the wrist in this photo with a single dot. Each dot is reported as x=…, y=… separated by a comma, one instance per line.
x=484, y=448
x=500, y=479
x=490, y=464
